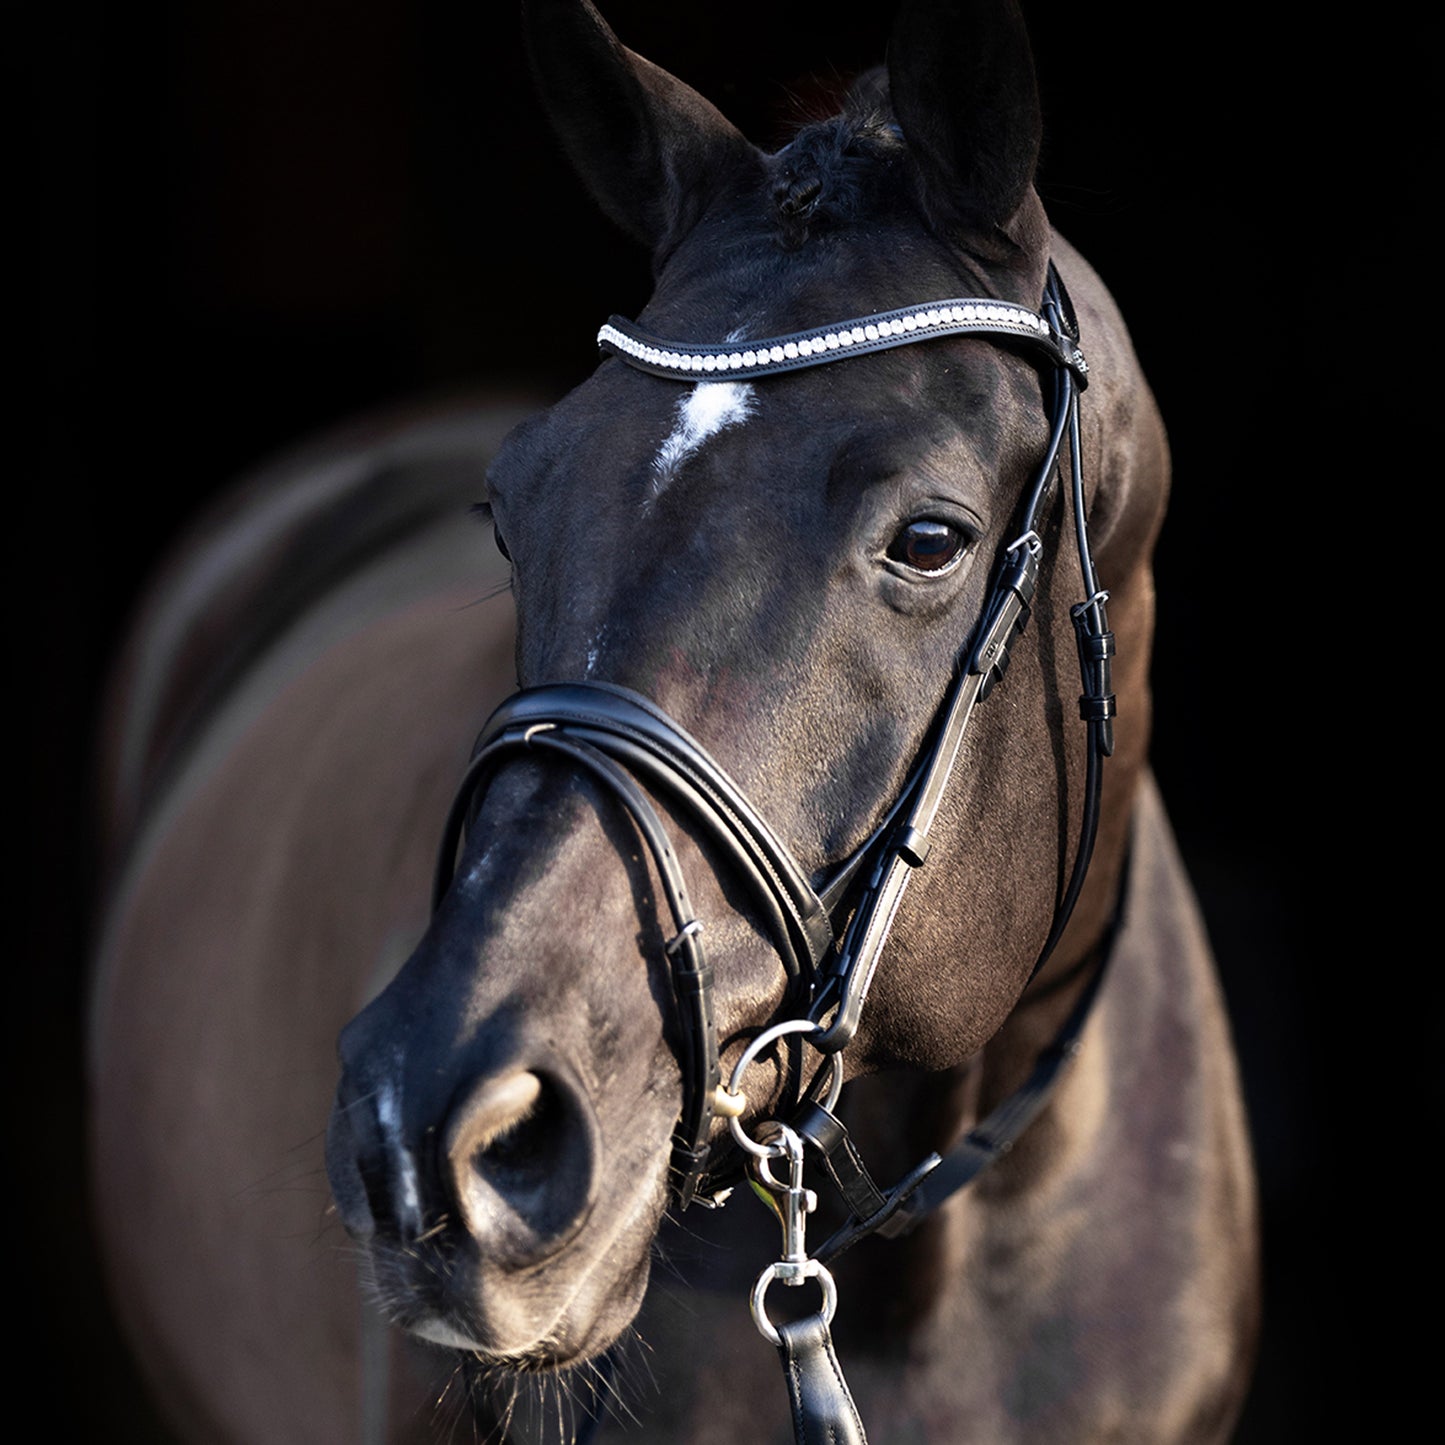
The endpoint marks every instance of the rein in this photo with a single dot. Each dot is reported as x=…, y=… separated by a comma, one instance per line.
x=830, y=938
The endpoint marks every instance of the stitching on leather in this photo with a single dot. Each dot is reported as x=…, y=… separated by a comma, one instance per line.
x=842, y=1383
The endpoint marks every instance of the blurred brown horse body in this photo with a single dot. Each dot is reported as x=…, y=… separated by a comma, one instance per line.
x=284, y=737
x=278, y=807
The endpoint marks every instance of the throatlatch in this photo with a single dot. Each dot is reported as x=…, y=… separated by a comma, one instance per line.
x=620, y=738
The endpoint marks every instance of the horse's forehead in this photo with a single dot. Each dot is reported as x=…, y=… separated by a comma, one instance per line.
x=889, y=411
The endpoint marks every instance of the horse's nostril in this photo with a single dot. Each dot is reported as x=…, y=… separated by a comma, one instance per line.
x=497, y=1109
x=520, y=1148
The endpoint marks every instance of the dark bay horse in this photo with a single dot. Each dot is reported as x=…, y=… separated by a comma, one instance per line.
x=794, y=548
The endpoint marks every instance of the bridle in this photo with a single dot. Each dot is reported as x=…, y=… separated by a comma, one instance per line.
x=830, y=938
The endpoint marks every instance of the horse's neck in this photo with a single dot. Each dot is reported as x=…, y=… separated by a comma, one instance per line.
x=1145, y=1122
x=898, y=1118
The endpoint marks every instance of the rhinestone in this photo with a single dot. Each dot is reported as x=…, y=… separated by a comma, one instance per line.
x=735, y=359
x=860, y=333
x=871, y=332
x=845, y=338
x=750, y=358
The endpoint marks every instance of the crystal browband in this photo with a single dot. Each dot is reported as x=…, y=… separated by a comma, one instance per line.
x=831, y=343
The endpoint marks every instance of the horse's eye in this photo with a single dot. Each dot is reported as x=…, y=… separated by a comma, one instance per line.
x=928, y=545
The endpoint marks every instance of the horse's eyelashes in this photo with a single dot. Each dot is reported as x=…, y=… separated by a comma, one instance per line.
x=929, y=545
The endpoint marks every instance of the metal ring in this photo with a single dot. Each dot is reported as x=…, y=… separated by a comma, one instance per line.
x=768, y=1036
x=808, y=1269
x=1030, y=539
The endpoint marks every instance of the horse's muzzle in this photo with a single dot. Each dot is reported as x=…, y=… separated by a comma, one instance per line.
x=511, y=1166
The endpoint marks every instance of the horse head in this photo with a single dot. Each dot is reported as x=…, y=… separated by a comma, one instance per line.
x=785, y=569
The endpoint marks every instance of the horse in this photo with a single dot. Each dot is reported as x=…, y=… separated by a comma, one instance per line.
x=778, y=851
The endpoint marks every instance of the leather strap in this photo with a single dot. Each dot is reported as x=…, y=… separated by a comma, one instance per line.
x=637, y=733
x=822, y=1405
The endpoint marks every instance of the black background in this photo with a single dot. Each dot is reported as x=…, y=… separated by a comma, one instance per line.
x=252, y=220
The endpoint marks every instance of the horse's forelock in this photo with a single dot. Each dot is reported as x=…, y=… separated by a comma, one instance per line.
x=840, y=167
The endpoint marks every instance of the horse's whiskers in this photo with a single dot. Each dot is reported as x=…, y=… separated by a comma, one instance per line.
x=435, y=1230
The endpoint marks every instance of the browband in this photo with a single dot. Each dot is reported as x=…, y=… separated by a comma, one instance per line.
x=963, y=316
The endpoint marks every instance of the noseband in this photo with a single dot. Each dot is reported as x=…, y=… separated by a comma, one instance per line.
x=829, y=938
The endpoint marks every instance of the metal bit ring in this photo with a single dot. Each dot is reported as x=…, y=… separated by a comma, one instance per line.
x=768, y=1036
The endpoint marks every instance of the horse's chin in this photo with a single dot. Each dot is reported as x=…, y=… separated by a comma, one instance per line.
x=568, y=1310
x=571, y=1339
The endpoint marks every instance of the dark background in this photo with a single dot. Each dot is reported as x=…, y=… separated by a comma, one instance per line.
x=247, y=221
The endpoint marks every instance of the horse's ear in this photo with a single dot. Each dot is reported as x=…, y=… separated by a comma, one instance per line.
x=963, y=89
x=650, y=149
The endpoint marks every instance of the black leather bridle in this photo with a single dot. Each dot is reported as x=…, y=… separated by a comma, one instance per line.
x=830, y=938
